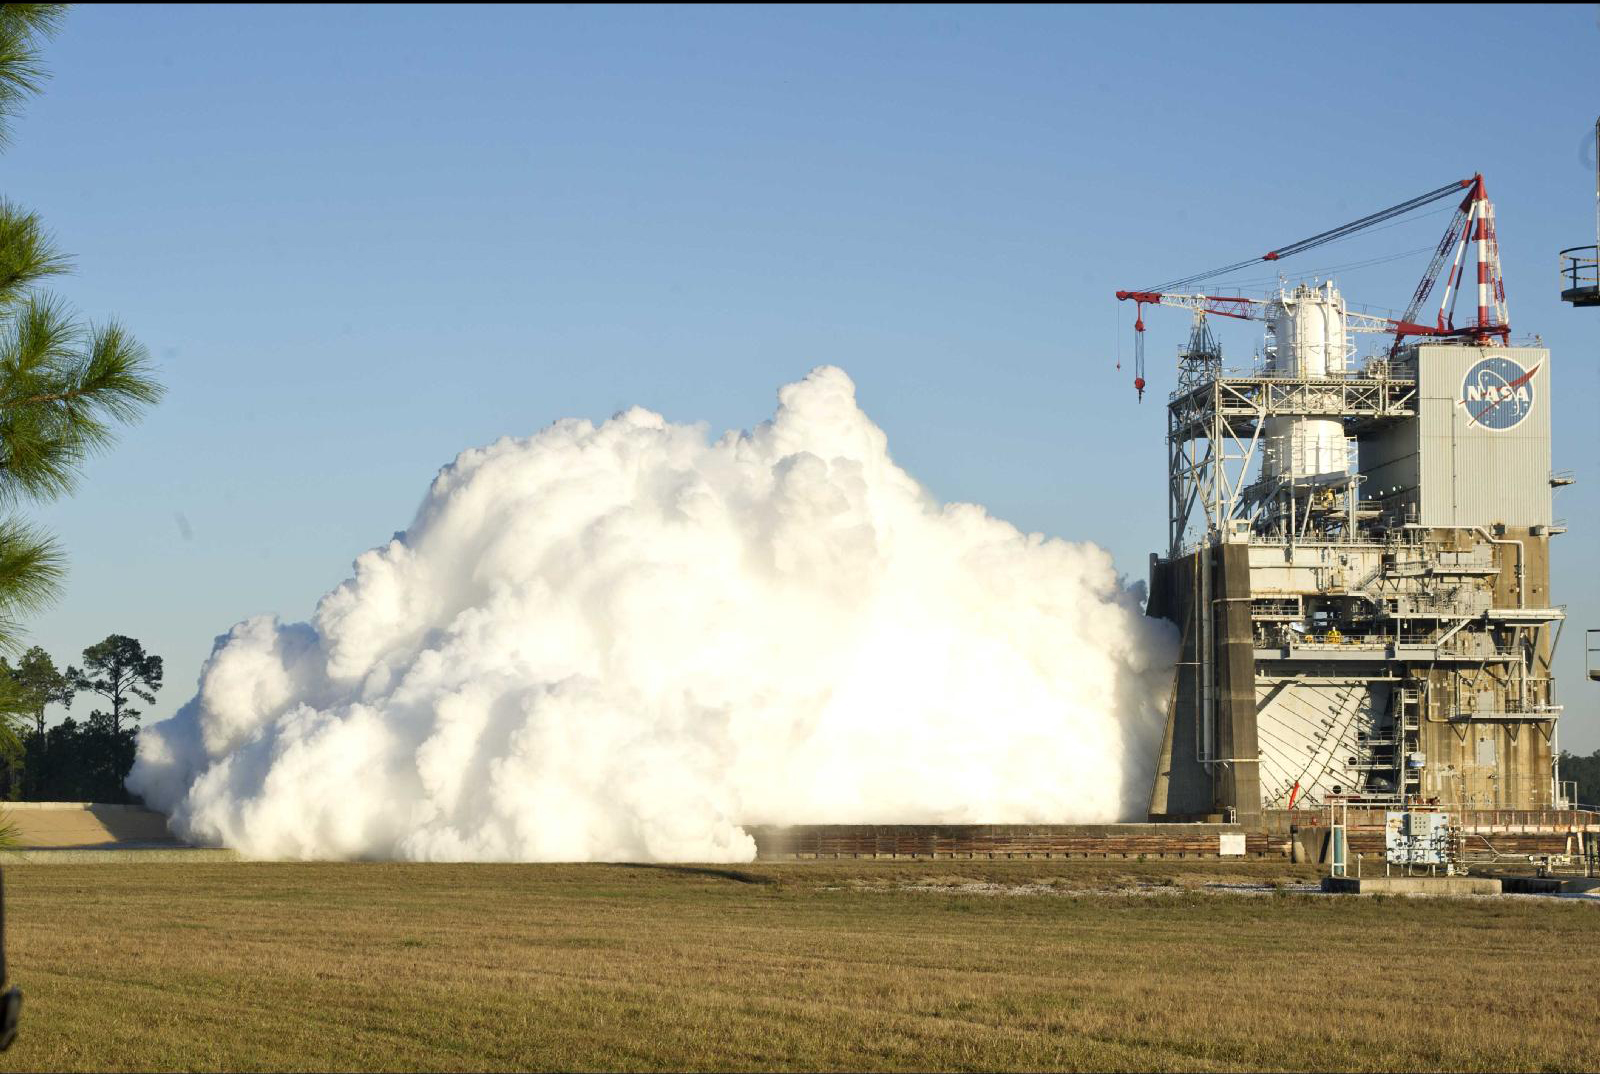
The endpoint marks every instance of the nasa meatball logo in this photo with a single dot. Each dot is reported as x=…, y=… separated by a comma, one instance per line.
x=1497, y=393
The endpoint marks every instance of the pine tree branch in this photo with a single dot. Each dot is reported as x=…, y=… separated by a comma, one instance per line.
x=62, y=389
x=27, y=254
x=64, y=385
x=23, y=29
x=31, y=569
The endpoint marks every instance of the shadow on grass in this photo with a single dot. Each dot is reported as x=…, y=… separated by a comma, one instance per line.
x=736, y=875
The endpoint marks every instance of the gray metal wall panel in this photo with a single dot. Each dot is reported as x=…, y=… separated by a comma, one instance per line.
x=1473, y=475
x=1390, y=461
x=1391, y=478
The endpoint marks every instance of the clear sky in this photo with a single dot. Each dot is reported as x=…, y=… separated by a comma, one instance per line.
x=359, y=240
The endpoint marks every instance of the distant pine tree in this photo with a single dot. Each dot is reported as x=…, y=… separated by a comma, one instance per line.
x=119, y=670
x=37, y=685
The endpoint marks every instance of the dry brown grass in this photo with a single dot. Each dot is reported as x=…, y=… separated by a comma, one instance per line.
x=851, y=965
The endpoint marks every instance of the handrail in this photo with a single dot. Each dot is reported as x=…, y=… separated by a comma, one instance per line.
x=1581, y=273
x=1321, y=640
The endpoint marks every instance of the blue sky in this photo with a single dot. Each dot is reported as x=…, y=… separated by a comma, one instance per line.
x=359, y=240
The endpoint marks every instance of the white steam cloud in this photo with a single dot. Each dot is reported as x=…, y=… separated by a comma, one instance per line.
x=622, y=642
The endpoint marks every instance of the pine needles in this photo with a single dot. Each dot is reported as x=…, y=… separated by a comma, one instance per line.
x=65, y=384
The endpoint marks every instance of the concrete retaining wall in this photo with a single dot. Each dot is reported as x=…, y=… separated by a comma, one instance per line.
x=1411, y=885
x=1133, y=841
x=87, y=825
x=124, y=855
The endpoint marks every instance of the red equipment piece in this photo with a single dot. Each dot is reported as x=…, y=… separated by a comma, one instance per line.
x=1242, y=308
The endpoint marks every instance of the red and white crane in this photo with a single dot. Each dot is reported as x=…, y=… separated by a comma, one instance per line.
x=1472, y=225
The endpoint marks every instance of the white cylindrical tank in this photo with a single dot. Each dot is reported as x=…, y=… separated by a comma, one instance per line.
x=1308, y=331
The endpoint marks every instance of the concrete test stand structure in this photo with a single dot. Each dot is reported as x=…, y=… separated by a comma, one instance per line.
x=1358, y=560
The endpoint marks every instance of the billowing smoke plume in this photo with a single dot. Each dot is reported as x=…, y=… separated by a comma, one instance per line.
x=623, y=641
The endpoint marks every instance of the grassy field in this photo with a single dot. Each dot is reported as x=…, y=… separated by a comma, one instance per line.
x=851, y=965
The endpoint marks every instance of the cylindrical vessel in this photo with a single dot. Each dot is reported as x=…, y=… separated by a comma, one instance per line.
x=1308, y=329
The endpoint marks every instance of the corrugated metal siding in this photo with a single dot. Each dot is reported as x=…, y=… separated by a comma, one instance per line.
x=1472, y=475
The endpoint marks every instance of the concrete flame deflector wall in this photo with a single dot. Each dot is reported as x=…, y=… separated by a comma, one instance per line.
x=1183, y=788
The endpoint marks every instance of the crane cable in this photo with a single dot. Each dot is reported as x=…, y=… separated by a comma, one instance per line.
x=1321, y=238
x=1328, y=270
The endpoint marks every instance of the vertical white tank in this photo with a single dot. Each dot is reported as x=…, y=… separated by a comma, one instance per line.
x=1308, y=331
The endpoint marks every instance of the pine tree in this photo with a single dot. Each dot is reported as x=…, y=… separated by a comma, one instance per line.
x=64, y=383
x=32, y=685
x=119, y=670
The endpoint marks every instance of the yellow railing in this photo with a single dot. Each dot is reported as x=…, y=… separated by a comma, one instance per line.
x=1580, y=269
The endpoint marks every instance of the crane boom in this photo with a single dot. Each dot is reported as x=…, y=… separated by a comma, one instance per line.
x=1472, y=224
x=1247, y=309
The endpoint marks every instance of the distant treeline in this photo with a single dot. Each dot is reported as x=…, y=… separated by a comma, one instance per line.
x=1585, y=771
x=74, y=761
